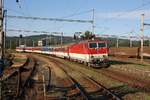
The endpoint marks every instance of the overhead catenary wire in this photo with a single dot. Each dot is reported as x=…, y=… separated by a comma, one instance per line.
x=80, y=13
x=50, y=19
x=27, y=31
x=129, y=11
x=54, y=19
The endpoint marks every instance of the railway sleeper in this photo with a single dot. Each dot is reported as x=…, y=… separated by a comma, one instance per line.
x=69, y=92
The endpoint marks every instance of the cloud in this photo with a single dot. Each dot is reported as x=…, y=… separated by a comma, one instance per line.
x=124, y=15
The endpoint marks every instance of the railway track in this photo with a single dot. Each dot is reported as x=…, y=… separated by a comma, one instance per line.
x=14, y=85
x=130, y=80
x=101, y=93
x=84, y=87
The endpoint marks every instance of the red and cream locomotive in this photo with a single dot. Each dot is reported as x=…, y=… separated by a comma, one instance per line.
x=91, y=52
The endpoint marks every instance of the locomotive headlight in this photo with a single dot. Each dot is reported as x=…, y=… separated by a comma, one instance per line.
x=92, y=57
x=104, y=56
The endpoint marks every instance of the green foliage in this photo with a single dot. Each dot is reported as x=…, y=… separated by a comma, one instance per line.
x=55, y=40
x=87, y=35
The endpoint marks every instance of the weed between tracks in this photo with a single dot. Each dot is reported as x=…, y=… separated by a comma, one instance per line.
x=19, y=60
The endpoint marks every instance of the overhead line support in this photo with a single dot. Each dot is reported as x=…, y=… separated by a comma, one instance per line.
x=93, y=18
x=142, y=36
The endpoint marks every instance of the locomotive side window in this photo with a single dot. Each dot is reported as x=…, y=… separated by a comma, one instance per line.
x=101, y=45
x=93, y=45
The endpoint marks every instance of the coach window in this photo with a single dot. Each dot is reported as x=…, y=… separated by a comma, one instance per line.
x=93, y=45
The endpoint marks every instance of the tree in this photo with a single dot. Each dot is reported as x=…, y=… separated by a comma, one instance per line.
x=87, y=34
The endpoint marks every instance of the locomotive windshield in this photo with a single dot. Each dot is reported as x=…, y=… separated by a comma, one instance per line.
x=101, y=45
x=97, y=45
x=93, y=45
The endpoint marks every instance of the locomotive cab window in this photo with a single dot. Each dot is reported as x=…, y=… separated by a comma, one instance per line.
x=101, y=45
x=92, y=45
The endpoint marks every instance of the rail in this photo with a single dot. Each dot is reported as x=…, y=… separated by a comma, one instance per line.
x=19, y=78
x=82, y=90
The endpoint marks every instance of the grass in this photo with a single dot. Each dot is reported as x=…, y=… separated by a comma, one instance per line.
x=16, y=59
x=122, y=61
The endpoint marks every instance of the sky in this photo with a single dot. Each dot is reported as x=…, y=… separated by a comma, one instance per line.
x=111, y=17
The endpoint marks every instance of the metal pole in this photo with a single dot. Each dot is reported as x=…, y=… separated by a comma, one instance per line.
x=1, y=29
x=55, y=41
x=93, y=18
x=1, y=39
x=149, y=42
x=117, y=44
x=19, y=42
x=32, y=43
x=2, y=57
x=142, y=35
x=18, y=83
x=25, y=42
x=44, y=90
x=5, y=15
x=130, y=43
x=10, y=44
x=61, y=39
x=130, y=40
x=46, y=40
x=50, y=40
x=1, y=42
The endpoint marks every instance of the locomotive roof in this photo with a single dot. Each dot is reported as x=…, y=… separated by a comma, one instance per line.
x=93, y=41
x=84, y=41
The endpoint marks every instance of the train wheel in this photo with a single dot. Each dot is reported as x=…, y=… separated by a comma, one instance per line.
x=88, y=64
x=85, y=63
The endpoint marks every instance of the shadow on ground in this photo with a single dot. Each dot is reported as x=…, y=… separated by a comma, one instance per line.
x=115, y=62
